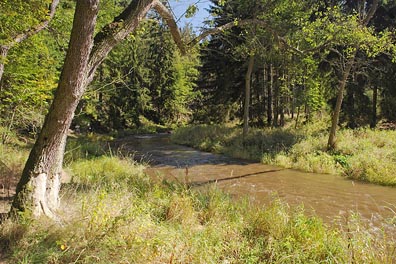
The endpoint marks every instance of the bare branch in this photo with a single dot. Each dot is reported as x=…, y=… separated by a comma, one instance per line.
x=243, y=23
x=370, y=13
x=37, y=28
x=165, y=13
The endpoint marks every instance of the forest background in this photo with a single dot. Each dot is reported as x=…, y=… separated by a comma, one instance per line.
x=145, y=79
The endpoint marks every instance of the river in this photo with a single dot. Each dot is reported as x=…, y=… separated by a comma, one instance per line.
x=330, y=197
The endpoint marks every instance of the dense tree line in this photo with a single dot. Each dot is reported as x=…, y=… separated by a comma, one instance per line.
x=145, y=77
x=287, y=83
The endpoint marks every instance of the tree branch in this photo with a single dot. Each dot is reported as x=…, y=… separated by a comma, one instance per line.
x=371, y=12
x=115, y=32
x=243, y=23
x=37, y=28
x=125, y=24
x=165, y=13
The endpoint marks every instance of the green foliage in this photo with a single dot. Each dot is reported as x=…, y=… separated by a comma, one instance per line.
x=90, y=146
x=144, y=78
x=191, y=11
x=33, y=67
x=28, y=82
x=18, y=16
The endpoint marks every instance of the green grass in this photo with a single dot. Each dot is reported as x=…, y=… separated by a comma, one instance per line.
x=113, y=213
x=363, y=154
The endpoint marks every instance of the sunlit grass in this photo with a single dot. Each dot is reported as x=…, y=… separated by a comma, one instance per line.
x=113, y=213
x=363, y=154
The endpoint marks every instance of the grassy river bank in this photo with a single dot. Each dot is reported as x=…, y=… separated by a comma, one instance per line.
x=113, y=213
x=363, y=154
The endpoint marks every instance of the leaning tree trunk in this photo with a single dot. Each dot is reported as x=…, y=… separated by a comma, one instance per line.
x=247, y=96
x=331, y=144
x=31, y=193
x=38, y=189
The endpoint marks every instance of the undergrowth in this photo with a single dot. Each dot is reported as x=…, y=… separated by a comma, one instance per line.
x=362, y=154
x=113, y=213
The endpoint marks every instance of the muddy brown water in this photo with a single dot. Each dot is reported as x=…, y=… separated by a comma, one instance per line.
x=328, y=196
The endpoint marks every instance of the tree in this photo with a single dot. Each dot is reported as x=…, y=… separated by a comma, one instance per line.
x=38, y=189
x=363, y=22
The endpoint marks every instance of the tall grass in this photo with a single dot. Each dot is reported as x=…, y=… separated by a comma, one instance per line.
x=121, y=216
x=363, y=154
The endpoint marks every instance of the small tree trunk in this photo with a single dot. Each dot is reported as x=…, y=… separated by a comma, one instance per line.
x=331, y=144
x=373, y=123
x=247, y=95
x=3, y=55
x=269, y=101
x=298, y=115
x=282, y=104
x=31, y=193
x=293, y=101
x=263, y=101
x=276, y=100
x=282, y=112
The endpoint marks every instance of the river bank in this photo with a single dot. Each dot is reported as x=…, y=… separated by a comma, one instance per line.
x=112, y=212
x=117, y=214
x=363, y=154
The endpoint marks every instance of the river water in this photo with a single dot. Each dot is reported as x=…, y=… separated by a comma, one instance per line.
x=328, y=196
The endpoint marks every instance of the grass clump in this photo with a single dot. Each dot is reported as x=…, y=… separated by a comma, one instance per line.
x=107, y=172
x=362, y=154
x=124, y=217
